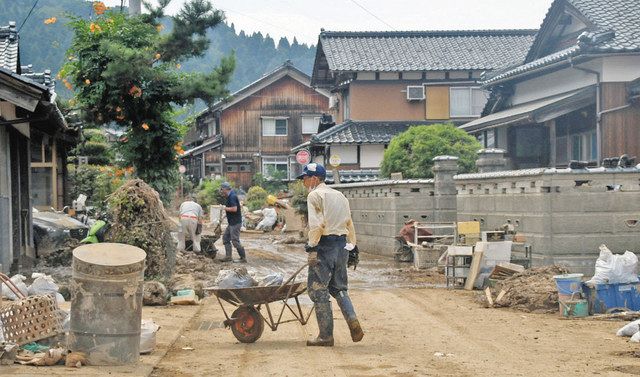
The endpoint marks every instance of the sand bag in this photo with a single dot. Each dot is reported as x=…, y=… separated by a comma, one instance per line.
x=272, y=280
x=236, y=278
x=148, y=330
x=635, y=338
x=614, y=268
x=629, y=329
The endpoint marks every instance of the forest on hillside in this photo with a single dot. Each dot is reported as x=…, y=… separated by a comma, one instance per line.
x=44, y=45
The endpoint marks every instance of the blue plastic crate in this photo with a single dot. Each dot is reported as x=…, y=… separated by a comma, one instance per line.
x=607, y=296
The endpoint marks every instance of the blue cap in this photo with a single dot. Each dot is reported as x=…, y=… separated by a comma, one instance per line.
x=225, y=186
x=313, y=170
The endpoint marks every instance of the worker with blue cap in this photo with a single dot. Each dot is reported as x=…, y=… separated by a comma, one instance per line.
x=331, y=237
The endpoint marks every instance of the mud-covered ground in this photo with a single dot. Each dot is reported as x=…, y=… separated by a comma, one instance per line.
x=413, y=327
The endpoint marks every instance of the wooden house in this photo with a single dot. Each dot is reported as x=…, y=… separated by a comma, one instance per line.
x=34, y=139
x=575, y=97
x=255, y=129
x=384, y=82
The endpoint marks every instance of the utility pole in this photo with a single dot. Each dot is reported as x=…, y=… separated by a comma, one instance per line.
x=135, y=7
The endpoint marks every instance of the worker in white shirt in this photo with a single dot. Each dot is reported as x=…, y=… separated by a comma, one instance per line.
x=331, y=237
x=191, y=214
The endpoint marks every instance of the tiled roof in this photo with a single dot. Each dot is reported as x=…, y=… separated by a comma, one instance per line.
x=616, y=30
x=362, y=132
x=425, y=50
x=352, y=176
x=9, y=47
x=43, y=78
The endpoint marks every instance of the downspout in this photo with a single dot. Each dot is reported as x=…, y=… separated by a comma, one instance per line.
x=598, y=108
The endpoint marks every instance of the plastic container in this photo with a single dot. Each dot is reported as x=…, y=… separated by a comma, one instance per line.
x=569, y=284
x=603, y=297
x=575, y=308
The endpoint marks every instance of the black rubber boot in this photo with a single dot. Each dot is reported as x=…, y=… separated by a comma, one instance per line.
x=324, y=315
x=227, y=250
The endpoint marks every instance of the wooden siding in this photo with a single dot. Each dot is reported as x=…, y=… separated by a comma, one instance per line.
x=241, y=124
x=621, y=128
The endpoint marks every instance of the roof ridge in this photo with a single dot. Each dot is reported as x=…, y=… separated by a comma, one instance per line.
x=422, y=33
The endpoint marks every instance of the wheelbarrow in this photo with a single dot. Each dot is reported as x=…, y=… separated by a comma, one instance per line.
x=247, y=321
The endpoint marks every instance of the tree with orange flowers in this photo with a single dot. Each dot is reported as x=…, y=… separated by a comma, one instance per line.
x=126, y=70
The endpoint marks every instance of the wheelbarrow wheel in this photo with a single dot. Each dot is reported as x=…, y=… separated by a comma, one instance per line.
x=248, y=325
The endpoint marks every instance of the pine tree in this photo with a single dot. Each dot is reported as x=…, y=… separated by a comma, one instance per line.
x=124, y=70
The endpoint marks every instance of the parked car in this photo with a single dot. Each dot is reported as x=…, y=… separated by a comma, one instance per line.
x=52, y=231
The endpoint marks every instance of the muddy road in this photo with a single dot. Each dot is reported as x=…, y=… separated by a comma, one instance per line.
x=413, y=328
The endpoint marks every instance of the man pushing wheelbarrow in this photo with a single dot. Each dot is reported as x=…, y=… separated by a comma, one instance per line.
x=332, y=239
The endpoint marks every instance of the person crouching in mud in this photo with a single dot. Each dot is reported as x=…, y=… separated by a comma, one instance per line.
x=330, y=227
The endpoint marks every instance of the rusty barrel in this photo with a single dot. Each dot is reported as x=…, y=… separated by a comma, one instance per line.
x=106, y=302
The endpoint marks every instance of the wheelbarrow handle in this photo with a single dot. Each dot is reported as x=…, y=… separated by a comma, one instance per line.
x=292, y=277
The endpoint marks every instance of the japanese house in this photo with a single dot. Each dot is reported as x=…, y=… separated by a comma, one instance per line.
x=34, y=138
x=575, y=97
x=384, y=82
x=256, y=128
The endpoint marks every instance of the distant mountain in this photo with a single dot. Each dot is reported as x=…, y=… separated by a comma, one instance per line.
x=44, y=46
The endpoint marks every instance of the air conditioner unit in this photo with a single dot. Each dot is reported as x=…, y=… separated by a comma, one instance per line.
x=415, y=92
x=333, y=101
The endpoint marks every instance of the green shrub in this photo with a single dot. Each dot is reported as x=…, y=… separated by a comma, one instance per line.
x=96, y=182
x=209, y=193
x=412, y=151
x=256, y=198
x=299, y=199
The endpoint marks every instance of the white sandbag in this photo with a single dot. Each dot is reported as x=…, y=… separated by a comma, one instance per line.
x=629, y=329
x=236, y=278
x=635, y=338
x=272, y=280
x=43, y=285
x=148, y=330
x=18, y=281
x=614, y=268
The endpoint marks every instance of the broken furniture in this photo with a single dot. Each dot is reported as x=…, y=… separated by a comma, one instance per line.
x=458, y=262
x=106, y=304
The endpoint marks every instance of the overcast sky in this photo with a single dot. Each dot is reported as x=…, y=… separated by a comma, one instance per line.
x=304, y=18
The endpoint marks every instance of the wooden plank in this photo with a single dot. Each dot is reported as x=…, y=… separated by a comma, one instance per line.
x=474, y=270
x=500, y=295
x=487, y=292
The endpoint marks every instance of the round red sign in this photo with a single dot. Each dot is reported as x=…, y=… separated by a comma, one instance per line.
x=303, y=157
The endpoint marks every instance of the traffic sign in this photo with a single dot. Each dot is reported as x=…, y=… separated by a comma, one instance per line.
x=335, y=160
x=303, y=157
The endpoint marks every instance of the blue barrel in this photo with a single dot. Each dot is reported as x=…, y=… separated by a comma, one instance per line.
x=569, y=284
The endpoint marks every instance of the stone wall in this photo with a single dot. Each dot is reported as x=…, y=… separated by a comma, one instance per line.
x=565, y=214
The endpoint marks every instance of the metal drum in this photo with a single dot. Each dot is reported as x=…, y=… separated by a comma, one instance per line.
x=106, y=302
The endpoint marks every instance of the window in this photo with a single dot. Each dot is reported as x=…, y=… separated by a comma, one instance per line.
x=345, y=103
x=584, y=146
x=274, y=126
x=488, y=138
x=466, y=101
x=276, y=167
x=310, y=124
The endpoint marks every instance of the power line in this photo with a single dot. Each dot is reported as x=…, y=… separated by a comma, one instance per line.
x=28, y=15
x=259, y=20
x=376, y=17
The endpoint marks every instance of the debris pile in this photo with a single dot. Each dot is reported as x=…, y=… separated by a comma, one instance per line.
x=139, y=219
x=532, y=290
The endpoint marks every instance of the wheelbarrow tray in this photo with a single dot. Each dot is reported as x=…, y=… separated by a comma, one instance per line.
x=259, y=295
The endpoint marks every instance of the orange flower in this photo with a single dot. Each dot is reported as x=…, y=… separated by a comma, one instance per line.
x=50, y=21
x=99, y=7
x=160, y=28
x=135, y=91
x=87, y=82
x=68, y=85
x=158, y=56
x=119, y=172
x=94, y=27
x=145, y=126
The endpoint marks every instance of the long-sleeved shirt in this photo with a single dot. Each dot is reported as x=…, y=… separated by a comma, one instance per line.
x=329, y=214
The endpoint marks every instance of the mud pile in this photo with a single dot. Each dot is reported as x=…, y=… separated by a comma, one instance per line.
x=532, y=290
x=139, y=219
x=194, y=271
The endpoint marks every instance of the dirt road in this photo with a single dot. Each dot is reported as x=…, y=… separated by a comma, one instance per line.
x=410, y=331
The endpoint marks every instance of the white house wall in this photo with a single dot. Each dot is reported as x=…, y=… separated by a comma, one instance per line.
x=558, y=82
x=348, y=153
x=371, y=156
x=621, y=68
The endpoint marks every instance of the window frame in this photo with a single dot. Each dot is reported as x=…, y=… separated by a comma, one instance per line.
x=275, y=161
x=312, y=116
x=275, y=120
x=470, y=104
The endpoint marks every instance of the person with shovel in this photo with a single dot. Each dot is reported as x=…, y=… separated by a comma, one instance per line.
x=331, y=237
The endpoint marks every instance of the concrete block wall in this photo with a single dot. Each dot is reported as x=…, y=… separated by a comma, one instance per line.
x=380, y=209
x=565, y=214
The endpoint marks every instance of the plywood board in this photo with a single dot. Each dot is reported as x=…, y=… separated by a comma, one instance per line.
x=474, y=270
